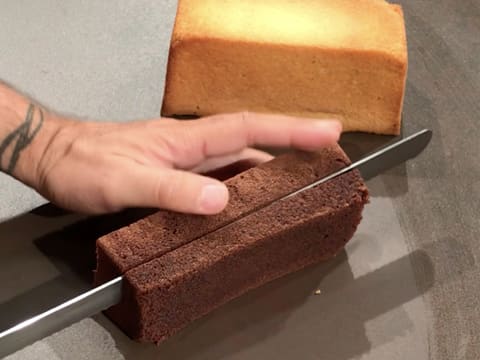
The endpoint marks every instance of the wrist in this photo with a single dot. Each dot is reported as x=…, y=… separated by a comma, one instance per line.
x=31, y=162
x=27, y=130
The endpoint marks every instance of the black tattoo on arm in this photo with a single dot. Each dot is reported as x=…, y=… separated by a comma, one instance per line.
x=21, y=137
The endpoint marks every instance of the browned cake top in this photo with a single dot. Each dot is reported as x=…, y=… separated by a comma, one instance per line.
x=336, y=24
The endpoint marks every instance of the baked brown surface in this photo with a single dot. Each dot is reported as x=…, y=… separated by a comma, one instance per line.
x=163, y=231
x=345, y=59
x=166, y=294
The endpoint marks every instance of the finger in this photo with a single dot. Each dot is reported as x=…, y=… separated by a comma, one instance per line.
x=169, y=189
x=253, y=155
x=196, y=140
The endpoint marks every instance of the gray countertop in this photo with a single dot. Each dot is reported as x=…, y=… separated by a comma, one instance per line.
x=407, y=286
x=103, y=60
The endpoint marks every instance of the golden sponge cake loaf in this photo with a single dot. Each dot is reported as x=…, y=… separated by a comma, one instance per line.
x=344, y=59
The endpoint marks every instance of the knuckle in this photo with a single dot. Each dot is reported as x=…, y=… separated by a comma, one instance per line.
x=169, y=146
x=165, y=190
x=245, y=130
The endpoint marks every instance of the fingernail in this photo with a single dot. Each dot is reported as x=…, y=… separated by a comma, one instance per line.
x=213, y=198
x=329, y=125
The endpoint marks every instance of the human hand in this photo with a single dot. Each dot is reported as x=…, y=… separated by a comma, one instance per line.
x=95, y=168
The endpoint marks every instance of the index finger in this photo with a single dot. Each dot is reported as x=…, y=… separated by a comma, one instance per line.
x=228, y=133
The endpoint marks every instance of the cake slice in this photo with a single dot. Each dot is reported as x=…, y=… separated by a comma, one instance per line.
x=344, y=59
x=167, y=293
x=163, y=231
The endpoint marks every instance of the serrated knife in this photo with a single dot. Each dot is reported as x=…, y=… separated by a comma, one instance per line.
x=110, y=293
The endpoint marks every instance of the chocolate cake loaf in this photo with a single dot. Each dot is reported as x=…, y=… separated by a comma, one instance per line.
x=163, y=295
x=163, y=231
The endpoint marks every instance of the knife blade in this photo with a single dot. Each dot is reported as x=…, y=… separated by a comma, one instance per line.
x=110, y=293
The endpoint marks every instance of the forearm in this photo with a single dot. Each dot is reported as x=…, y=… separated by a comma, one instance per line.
x=26, y=130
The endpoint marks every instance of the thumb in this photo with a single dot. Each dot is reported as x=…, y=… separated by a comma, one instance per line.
x=171, y=189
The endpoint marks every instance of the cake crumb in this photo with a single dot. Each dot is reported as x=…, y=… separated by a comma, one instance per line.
x=318, y=292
